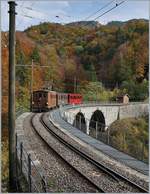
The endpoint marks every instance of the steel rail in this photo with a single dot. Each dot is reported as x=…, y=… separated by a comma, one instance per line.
x=101, y=166
x=97, y=187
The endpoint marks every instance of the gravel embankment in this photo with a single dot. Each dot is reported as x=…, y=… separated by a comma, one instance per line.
x=60, y=176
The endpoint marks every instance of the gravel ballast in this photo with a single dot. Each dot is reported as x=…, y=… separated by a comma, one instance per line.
x=126, y=171
x=60, y=176
x=101, y=179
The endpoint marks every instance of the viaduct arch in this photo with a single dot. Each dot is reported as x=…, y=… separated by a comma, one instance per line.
x=79, y=122
x=97, y=123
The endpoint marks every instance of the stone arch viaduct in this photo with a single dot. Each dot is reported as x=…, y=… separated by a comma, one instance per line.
x=102, y=113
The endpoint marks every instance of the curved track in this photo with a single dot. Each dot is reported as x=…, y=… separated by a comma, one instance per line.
x=115, y=175
x=82, y=175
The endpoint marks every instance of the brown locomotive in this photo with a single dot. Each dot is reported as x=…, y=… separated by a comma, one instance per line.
x=44, y=100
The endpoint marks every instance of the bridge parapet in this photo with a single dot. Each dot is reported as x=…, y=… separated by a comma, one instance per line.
x=134, y=110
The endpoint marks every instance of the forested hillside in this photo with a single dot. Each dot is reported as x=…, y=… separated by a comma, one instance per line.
x=98, y=61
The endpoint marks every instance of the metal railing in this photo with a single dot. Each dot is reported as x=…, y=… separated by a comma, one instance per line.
x=102, y=132
x=26, y=171
x=97, y=104
x=114, y=102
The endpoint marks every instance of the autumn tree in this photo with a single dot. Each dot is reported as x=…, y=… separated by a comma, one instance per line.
x=35, y=55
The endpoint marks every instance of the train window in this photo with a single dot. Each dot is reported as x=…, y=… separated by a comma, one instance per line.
x=45, y=95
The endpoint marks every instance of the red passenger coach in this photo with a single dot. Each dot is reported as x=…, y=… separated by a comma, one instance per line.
x=45, y=100
x=74, y=99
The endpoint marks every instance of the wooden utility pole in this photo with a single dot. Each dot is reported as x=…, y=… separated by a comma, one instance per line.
x=11, y=108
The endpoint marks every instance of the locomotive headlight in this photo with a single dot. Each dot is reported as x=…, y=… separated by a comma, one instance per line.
x=46, y=103
x=32, y=102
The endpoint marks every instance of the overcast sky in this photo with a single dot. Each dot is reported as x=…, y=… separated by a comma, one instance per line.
x=34, y=12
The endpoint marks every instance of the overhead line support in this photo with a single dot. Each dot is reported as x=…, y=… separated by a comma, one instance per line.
x=11, y=102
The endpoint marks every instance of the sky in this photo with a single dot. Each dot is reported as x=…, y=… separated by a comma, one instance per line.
x=65, y=11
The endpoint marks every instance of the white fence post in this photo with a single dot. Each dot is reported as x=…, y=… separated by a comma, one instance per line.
x=80, y=122
x=96, y=128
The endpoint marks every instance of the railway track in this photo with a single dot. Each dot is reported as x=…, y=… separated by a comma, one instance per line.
x=118, y=178
x=98, y=189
